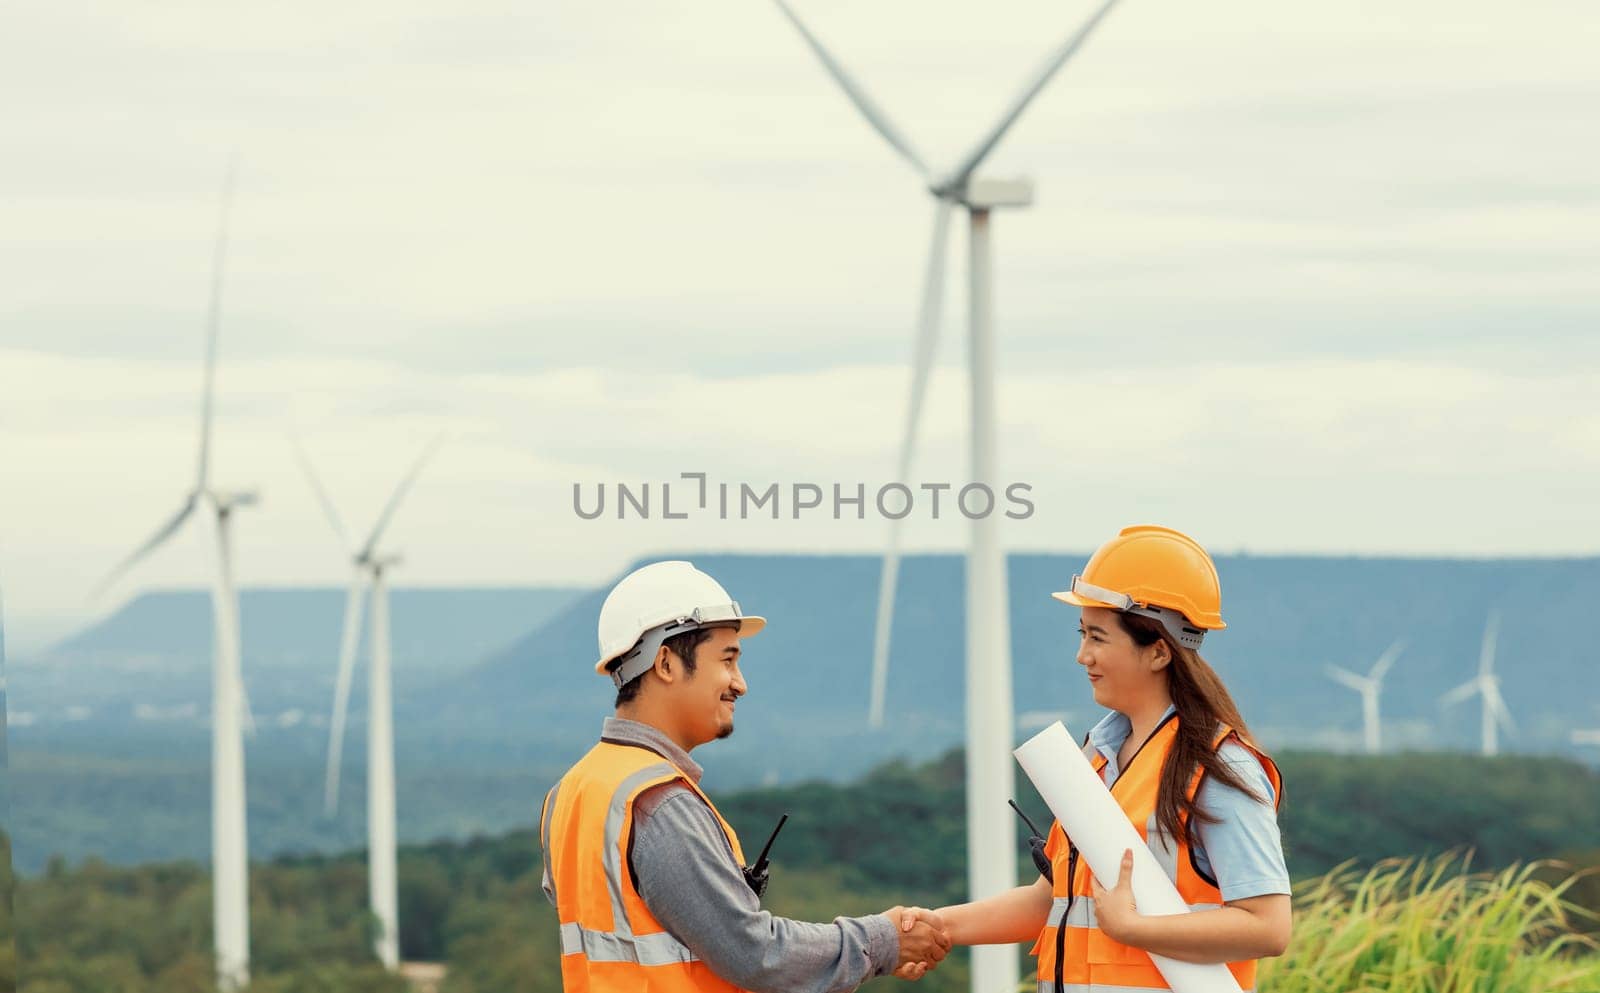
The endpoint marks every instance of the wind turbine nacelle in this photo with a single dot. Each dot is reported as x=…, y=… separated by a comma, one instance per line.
x=381, y=563
x=985, y=194
x=227, y=500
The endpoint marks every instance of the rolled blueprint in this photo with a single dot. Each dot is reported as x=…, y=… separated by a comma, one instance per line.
x=1089, y=815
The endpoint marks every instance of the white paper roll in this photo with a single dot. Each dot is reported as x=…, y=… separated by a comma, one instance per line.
x=1091, y=817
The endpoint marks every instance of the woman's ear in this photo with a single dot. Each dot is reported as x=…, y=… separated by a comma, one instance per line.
x=1160, y=655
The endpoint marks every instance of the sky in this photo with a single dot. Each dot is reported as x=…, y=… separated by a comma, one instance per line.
x=1295, y=279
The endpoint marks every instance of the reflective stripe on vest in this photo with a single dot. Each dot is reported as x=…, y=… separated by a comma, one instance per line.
x=1072, y=946
x=610, y=941
x=648, y=949
x=1081, y=913
x=615, y=815
x=1162, y=847
x=549, y=811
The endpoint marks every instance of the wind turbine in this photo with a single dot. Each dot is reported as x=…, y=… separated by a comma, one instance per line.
x=1495, y=712
x=368, y=569
x=991, y=869
x=229, y=848
x=1369, y=686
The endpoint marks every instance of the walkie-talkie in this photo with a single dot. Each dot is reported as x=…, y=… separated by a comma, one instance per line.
x=1036, y=845
x=756, y=875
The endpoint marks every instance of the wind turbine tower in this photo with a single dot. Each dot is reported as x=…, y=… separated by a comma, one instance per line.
x=990, y=775
x=368, y=571
x=1486, y=684
x=1369, y=686
x=229, y=847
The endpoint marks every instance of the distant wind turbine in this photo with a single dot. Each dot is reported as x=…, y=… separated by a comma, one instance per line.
x=1369, y=686
x=367, y=570
x=991, y=868
x=229, y=848
x=1487, y=684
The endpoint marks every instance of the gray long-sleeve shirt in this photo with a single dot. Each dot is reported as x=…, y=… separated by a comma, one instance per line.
x=686, y=874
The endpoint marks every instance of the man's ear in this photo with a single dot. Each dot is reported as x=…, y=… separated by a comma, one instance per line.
x=663, y=666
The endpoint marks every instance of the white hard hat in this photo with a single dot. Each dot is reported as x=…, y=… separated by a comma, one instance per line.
x=664, y=598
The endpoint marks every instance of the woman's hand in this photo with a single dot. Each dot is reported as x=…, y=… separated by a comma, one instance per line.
x=1114, y=909
x=1257, y=927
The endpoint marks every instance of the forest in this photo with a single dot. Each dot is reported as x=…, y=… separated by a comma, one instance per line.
x=1478, y=833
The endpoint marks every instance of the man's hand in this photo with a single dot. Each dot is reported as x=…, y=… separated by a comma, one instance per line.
x=924, y=941
x=1114, y=909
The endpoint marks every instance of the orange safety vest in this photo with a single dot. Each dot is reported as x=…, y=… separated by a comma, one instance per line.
x=1080, y=958
x=610, y=942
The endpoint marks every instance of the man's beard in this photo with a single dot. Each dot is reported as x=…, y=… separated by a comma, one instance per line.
x=725, y=730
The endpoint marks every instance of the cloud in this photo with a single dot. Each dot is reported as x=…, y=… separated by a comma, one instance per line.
x=684, y=187
x=1320, y=281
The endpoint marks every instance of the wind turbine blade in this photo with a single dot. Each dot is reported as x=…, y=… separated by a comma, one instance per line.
x=219, y=253
x=1497, y=703
x=1491, y=633
x=1463, y=692
x=928, y=321
x=1347, y=678
x=929, y=314
x=869, y=109
x=1046, y=70
x=398, y=495
x=1387, y=659
x=349, y=637
x=888, y=579
x=166, y=531
x=322, y=493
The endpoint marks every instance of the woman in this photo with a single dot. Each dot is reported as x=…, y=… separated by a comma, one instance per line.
x=1180, y=763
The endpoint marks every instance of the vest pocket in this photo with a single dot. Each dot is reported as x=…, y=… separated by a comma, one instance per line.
x=1103, y=950
x=1044, y=951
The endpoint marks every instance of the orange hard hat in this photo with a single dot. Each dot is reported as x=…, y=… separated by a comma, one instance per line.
x=1146, y=568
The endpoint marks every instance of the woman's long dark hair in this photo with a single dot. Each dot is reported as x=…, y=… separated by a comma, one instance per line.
x=1203, y=706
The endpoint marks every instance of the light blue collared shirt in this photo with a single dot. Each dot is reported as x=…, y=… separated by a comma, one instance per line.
x=1243, y=850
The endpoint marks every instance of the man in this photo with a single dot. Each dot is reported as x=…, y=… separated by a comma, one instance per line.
x=646, y=877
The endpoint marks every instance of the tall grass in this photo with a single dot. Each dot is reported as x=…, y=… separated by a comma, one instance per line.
x=1431, y=926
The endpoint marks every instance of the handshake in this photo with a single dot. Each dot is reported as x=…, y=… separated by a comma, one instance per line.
x=924, y=940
